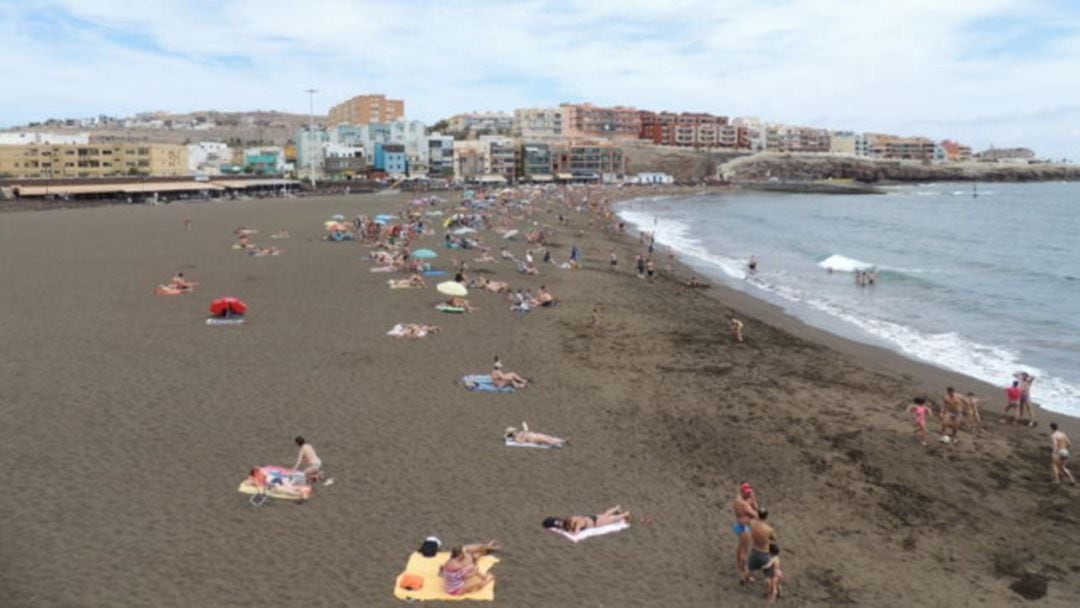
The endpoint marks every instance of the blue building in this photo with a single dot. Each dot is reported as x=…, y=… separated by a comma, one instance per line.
x=391, y=158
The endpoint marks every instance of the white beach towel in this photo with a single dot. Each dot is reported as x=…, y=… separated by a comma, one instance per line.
x=511, y=443
x=590, y=532
x=218, y=321
x=398, y=331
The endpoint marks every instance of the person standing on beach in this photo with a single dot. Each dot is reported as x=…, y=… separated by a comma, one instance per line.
x=745, y=509
x=1026, y=380
x=187, y=224
x=736, y=330
x=1012, y=394
x=639, y=262
x=1059, y=455
x=614, y=263
x=761, y=536
x=650, y=269
x=309, y=460
x=972, y=412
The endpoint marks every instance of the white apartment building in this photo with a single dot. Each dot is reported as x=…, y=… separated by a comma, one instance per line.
x=538, y=123
x=19, y=138
x=206, y=157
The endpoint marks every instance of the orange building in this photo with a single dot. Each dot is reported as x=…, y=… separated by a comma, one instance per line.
x=365, y=109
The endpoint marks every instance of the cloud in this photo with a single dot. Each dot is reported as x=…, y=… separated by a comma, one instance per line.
x=890, y=65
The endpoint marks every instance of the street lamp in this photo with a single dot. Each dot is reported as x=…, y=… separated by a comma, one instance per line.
x=311, y=133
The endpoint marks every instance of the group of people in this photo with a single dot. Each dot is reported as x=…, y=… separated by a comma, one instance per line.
x=757, y=549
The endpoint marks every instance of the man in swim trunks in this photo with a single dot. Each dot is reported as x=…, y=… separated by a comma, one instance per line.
x=309, y=459
x=1026, y=380
x=745, y=509
x=952, y=409
x=1060, y=453
x=761, y=536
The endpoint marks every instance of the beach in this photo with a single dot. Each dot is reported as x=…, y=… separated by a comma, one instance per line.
x=129, y=423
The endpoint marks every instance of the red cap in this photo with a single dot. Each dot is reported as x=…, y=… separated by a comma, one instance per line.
x=746, y=489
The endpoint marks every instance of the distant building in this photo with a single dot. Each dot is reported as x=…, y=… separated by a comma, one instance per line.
x=536, y=162
x=265, y=160
x=19, y=138
x=750, y=133
x=491, y=159
x=93, y=160
x=895, y=147
x=311, y=149
x=207, y=157
x=789, y=138
x=582, y=120
x=1005, y=155
x=687, y=130
x=533, y=124
x=439, y=158
x=481, y=123
x=391, y=159
x=588, y=161
x=412, y=134
x=651, y=178
x=364, y=109
x=342, y=160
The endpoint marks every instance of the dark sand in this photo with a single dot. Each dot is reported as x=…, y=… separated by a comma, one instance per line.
x=128, y=424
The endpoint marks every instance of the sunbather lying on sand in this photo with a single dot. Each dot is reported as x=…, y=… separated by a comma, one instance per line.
x=487, y=257
x=460, y=574
x=415, y=280
x=179, y=282
x=524, y=435
x=281, y=234
x=259, y=252
x=500, y=378
x=413, y=330
x=576, y=523
x=457, y=302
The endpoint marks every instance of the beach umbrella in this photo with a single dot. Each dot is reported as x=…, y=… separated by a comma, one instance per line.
x=452, y=288
x=337, y=217
x=424, y=254
x=227, y=306
x=465, y=230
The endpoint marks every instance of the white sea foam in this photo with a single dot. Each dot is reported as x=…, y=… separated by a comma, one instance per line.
x=948, y=350
x=841, y=263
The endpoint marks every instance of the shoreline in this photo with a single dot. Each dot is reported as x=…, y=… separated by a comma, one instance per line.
x=130, y=424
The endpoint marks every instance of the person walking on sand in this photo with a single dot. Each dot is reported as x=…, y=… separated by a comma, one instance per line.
x=187, y=224
x=614, y=263
x=736, y=330
x=309, y=460
x=1060, y=454
x=951, y=411
x=918, y=411
x=971, y=402
x=745, y=509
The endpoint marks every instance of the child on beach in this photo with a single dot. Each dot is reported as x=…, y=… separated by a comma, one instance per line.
x=777, y=577
x=736, y=330
x=918, y=410
x=972, y=411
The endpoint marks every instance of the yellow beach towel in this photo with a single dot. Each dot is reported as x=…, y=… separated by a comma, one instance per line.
x=427, y=568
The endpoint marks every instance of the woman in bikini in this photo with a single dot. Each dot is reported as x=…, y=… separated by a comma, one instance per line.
x=576, y=523
x=500, y=378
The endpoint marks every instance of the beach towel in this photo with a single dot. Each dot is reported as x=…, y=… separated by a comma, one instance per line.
x=398, y=331
x=384, y=269
x=402, y=284
x=482, y=383
x=434, y=273
x=447, y=308
x=510, y=442
x=591, y=532
x=427, y=568
x=224, y=321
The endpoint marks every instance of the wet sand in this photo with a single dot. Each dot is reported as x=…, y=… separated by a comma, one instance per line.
x=128, y=425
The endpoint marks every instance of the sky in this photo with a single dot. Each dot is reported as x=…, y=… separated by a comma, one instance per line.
x=984, y=72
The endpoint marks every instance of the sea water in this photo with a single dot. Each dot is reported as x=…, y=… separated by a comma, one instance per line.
x=984, y=285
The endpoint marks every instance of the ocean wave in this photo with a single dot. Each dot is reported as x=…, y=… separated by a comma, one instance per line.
x=841, y=263
x=675, y=234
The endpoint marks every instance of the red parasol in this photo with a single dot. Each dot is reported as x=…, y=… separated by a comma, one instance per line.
x=222, y=307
